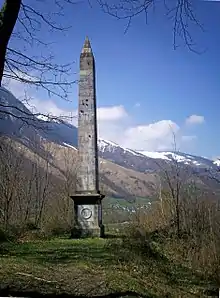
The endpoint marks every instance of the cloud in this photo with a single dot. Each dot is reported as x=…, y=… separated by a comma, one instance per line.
x=114, y=124
x=112, y=113
x=105, y=115
x=195, y=119
x=16, y=87
x=137, y=105
x=155, y=136
x=48, y=107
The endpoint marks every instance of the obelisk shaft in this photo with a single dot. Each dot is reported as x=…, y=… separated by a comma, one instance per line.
x=87, y=199
x=87, y=123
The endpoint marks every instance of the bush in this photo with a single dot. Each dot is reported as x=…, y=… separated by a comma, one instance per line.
x=11, y=234
x=3, y=236
x=30, y=226
x=56, y=228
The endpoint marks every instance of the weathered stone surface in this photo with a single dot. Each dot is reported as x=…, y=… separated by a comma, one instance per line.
x=87, y=123
x=87, y=200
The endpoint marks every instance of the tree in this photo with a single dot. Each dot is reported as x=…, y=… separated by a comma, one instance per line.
x=25, y=56
x=70, y=168
x=175, y=177
x=41, y=187
x=31, y=20
x=8, y=18
x=182, y=13
x=17, y=63
x=11, y=166
x=34, y=64
x=60, y=213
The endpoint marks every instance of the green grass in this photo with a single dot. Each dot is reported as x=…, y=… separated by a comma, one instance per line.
x=109, y=201
x=94, y=267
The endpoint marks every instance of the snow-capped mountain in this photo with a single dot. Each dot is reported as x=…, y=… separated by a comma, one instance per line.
x=180, y=157
x=46, y=118
x=112, y=147
x=151, y=161
x=217, y=162
x=18, y=121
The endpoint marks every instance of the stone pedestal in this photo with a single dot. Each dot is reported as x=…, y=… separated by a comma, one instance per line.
x=88, y=215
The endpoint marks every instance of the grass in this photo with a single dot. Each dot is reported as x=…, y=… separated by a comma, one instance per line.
x=109, y=201
x=94, y=267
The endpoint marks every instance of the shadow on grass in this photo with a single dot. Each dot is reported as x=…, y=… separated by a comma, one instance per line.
x=94, y=255
x=173, y=273
x=124, y=250
x=114, y=236
x=127, y=294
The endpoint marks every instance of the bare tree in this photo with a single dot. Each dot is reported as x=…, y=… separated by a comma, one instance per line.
x=8, y=17
x=182, y=13
x=11, y=166
x=31, y=20
x=41, y=184
x=70, y=173
x=26, y=57
x=175, y=177
x=26, y=206
x=17, y=63
x=60, y=211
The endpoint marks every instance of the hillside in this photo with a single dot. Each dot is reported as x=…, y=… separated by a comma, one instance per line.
x=123, y=172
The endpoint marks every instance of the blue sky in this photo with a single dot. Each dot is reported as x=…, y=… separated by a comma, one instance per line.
x=144, y=86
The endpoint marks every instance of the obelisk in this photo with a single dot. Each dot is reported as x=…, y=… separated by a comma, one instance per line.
x=87, y=199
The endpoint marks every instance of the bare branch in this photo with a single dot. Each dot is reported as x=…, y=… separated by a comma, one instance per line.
x=182, y=14
x=20, y=63
x=30, y=119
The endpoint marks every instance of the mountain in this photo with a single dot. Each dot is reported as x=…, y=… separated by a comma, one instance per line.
x=146, y=161
x=46, y=138
x=33, y=130
x=18, y=121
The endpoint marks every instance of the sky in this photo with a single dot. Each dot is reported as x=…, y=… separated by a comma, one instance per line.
x=150, y=97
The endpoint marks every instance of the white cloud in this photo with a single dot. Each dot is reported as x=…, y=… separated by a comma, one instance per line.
x=195, y=119
x=155, y=136
x=114, y=125
x=16, y=87
x=106, y=116
x=49, y=107
x=111, y=113
x=137, y=105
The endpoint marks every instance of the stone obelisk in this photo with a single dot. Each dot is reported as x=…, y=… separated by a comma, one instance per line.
x=87, y=199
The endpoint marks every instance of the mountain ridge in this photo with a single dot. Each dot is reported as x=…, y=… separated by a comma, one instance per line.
x=43, y=127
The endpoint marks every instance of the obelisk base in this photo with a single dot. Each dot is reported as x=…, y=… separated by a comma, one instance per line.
x=88, y=215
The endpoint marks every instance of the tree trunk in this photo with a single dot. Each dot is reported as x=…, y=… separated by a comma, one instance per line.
x=8, y=17
x=178, y=216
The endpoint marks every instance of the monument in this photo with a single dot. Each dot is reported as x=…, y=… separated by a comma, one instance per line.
x=87, y=199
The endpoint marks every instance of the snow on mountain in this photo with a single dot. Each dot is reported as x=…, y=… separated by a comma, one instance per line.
x=104, y=145
x=46, y=118
x=187, y=159
x=63, y=133
x=107, y=147
x=217, y=162
x=70, y=146
x=154, y=154
x=184, y=158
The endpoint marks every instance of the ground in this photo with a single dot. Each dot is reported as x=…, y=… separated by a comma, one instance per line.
x=93, y=267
